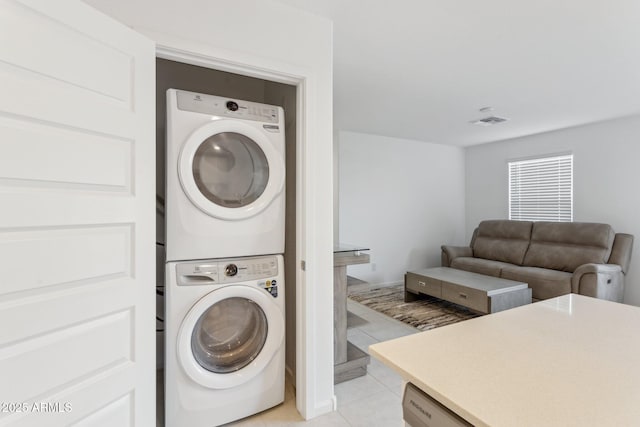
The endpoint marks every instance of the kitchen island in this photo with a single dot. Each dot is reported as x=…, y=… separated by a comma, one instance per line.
x=566, y=361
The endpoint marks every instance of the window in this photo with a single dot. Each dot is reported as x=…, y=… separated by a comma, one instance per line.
x=541, y=189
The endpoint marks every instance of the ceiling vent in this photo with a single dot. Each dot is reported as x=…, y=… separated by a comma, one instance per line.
x=488, y=121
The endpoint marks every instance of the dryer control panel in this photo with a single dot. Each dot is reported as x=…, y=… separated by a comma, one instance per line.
x=233, y=270
x=226, y=107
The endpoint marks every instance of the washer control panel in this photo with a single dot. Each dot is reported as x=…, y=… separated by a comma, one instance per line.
x=217, y=272
x=225, y=107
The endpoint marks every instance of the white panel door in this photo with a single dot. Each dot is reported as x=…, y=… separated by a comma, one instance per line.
x=77, y=277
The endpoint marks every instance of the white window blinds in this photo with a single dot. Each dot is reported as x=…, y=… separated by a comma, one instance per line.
x=541, y=189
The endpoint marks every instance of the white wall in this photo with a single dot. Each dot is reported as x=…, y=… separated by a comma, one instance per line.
x=606, y=178
x=336, y=186
x=402, y=199
x=273, y=39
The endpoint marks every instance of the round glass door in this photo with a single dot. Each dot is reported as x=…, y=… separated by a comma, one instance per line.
x=230, y=170
x=229, y=335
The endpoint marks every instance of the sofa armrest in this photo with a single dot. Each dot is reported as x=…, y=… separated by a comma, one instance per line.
x=449, y=253
x=604, y=281
x=621, y=251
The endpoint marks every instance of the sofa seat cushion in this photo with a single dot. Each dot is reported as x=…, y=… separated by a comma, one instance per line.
x=566, y=246
x=479, y=265
x=544, y=283
x=502, y=240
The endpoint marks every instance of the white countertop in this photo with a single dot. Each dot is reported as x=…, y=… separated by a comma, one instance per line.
x=567, y=361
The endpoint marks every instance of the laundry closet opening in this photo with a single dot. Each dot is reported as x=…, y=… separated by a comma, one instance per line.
x=181, y=76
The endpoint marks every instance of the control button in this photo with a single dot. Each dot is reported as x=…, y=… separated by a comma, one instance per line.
x=231, y=270
x=233, y=106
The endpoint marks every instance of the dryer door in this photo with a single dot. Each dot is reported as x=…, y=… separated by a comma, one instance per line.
x=230, y=170
x=229, y=336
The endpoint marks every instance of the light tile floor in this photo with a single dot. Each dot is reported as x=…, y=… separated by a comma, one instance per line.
x=373, y=400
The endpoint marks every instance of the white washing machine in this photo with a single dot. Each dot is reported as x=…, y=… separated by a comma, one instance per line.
x=224, y=340
x=225, y=177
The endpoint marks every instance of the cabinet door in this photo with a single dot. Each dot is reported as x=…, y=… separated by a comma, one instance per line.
x=77, y=217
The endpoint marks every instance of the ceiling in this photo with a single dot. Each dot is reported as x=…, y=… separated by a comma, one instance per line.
x=422, y=69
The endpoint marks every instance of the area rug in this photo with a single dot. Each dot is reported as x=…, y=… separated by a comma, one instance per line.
x=424, y=314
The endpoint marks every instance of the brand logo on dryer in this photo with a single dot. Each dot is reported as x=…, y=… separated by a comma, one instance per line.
x=271, y=128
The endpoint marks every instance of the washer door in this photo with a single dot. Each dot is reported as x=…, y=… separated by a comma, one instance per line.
x=230, y=170
x=229, y=336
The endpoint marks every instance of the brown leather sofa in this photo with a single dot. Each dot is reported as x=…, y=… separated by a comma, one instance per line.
x=554, y=258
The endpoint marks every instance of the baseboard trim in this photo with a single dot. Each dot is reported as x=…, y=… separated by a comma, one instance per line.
x=395, y=282
x=327, y=406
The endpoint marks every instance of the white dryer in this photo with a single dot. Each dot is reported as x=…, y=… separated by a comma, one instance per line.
x=224, y=339
x=225, y=177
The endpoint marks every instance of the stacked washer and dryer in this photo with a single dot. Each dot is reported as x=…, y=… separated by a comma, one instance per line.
x=224, y=277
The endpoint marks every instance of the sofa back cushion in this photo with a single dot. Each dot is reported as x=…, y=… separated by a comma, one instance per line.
x=565, y=246
x=502, y=240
